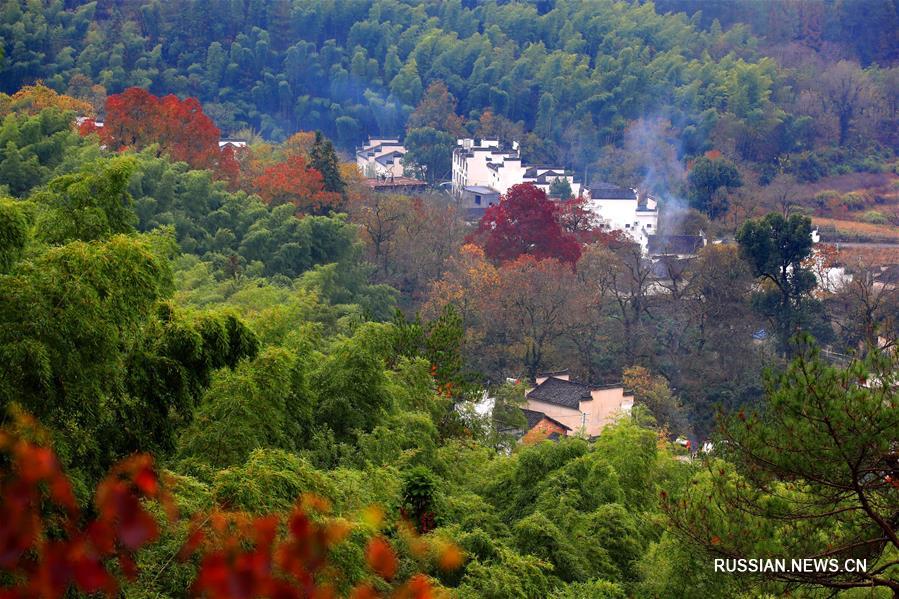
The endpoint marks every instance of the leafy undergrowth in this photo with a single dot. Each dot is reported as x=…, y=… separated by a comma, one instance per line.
x=50, y=547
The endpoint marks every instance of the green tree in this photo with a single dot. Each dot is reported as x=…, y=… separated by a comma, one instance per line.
x=429, y=153
x=406, y=86
x=263, y=403
x=775, y=248
x=350, y=383
x=324, y=160
x=709, y=181
x=91, y=204
x=560, y=188
x=812, y=476
x=14, y=229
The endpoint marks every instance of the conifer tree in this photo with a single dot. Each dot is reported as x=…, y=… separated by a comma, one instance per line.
x=324, y=160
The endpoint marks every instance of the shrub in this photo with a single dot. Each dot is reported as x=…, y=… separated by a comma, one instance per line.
x=854, y=201
x=874, y=217
x=827, y=198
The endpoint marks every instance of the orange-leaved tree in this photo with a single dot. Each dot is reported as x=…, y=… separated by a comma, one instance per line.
x=136, y=119
x=32, y=99
x=293, y=181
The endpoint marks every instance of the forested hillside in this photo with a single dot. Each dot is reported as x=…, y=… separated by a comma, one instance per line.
x=574, y=74
x=240, y=372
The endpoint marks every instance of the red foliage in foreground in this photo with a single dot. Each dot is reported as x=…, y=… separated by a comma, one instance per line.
x=48, y=548
x=43, y=541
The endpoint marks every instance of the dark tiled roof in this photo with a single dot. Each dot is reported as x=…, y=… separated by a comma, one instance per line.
x=610, y=191
x=560, y=392
x=553, y=373
x=890, y=274
x=674, y=244
x=534, y=417
x=382, y=159
x=480, y=189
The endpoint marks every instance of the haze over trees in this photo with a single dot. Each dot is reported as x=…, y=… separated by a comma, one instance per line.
x=242, y=368
x=565, y=78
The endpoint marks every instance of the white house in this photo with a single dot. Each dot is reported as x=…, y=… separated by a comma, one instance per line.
x=380, y=158
x=619, y=208
x=232, y=143
x=487, y=163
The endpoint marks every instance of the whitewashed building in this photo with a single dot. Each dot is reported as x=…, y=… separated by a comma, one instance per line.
x=484, y=165
x=487, y=163
x=381, y=158
x=620, y=208
x=235, y=144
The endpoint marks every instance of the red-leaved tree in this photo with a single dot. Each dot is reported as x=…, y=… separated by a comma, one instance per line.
x=525, y=222
x=36, y=497
x=294, y=181
x=48, y=549
x=228, y=168
x=137, y=119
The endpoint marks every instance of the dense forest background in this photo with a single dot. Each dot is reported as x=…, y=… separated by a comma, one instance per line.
x=296, y=364
x=782, y=85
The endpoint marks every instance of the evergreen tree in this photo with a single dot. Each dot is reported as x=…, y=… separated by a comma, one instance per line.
x=324, y=160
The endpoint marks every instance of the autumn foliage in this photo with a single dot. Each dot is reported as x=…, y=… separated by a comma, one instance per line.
x=48, y=547
x=526, y=222
x=293, y=181
x=137, y=119
x=32, y=99
x=44, y=543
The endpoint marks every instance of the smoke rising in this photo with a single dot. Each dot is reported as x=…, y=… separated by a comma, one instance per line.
x=656, y=151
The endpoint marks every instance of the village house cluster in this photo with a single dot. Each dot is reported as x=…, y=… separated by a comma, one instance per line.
x=485, y=169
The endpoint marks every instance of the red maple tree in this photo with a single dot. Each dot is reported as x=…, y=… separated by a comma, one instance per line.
x=294, y=181
x=228, y=168
x=526, y=222
x=137, y=119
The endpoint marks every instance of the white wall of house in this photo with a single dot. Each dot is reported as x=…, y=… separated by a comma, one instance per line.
x=627, y=216
x=472, y=160
x=389, y=151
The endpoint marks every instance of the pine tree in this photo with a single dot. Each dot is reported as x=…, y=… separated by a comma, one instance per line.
x=324, y=160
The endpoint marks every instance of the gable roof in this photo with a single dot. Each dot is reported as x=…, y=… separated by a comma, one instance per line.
x=610, y=191
x=560, y=392
x=480, y=189
x=534, y=417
